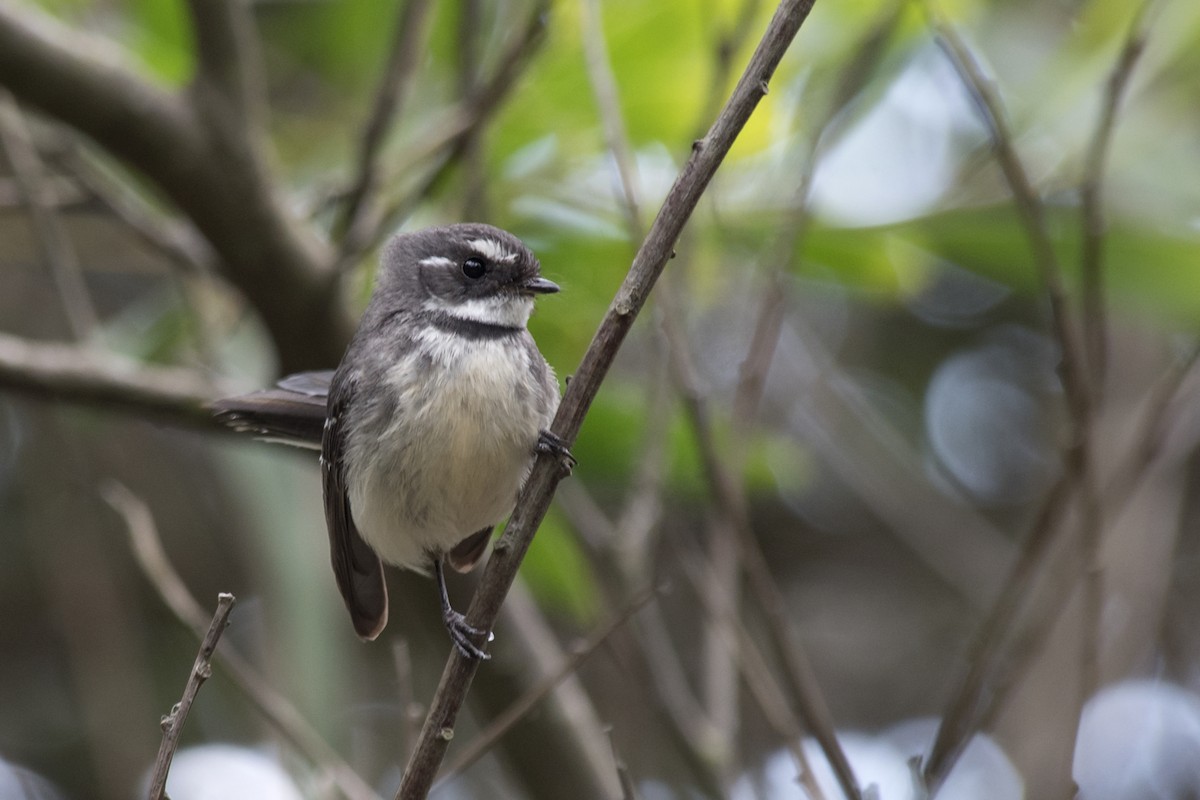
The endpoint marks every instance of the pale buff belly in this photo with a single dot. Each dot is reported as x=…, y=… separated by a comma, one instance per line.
x=453, y=457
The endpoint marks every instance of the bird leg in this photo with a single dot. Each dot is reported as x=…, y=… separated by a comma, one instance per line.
x=456, y=624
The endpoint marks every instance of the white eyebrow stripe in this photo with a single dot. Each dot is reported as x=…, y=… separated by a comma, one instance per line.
x=492, y=250
x=436, y=261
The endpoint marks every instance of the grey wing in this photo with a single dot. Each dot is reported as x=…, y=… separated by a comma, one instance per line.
x=357, y=568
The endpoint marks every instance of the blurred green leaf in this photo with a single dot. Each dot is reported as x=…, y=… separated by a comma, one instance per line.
x=161, y=37
x=558, y=573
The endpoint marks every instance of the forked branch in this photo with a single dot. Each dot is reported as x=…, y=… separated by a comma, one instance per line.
x=648, y=264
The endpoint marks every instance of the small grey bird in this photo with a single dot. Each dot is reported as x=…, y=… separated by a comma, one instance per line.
x=430, y=424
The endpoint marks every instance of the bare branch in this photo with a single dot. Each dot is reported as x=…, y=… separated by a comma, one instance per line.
x=449, y=137
x=214, y=174
x=1156, y=428
x=1091, y=208
x=51, y=237
x=1029, y=207
x=628, y=790
x=669, y=693
x=502, y=723
x=1079, y=471
x=752, y=373
x=648, y=265
x=405, y=55
x=732, y=534
x=228, y=82
x=771, y=699
x=172, y=724
x=274, y=707
x=604, y=88
x=730, y=503
x=90, y=376
x=962, y=715
x=178, y=241
x=707, y=734
x=61, y=193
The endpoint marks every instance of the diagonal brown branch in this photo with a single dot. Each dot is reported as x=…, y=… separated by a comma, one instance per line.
x=172, y=724
x=648, y=264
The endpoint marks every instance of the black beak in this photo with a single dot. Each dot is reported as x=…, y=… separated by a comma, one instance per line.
x=539, y=285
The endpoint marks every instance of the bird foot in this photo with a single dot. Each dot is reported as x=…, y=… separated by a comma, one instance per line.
x=553, y=445
x=462, y=634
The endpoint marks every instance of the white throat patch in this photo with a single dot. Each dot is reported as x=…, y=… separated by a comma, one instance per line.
x=507, y=310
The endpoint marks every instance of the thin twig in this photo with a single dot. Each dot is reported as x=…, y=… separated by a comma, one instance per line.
x=669, y=692
x=408, y=45
x=963, y=713
x=728, y=525
x=182, y=245
x=1091, y=205
x=604, y=89
x=172, y=237
x=172, y=724
x=61, y=193
x=1029, y=206
x=450, y=136
x=709, y=729
x=730, y=502
x=727, y=491
x=52, y=239
x=767, y=693
x=752, y=378
x=647, y=266
x=752, y=373
x=993, y=667
x=1155, y=427
x=728, y=42
x=274, y=707
x=1079, y=470
x=628, y=790
x=520, y=707
x=1008, y=668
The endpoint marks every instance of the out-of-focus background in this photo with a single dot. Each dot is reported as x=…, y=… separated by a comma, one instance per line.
x=850, y=391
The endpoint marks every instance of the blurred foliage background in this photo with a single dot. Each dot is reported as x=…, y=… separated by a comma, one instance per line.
x=904, y=441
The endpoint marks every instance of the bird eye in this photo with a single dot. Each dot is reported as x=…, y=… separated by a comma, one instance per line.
x=474, y=268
